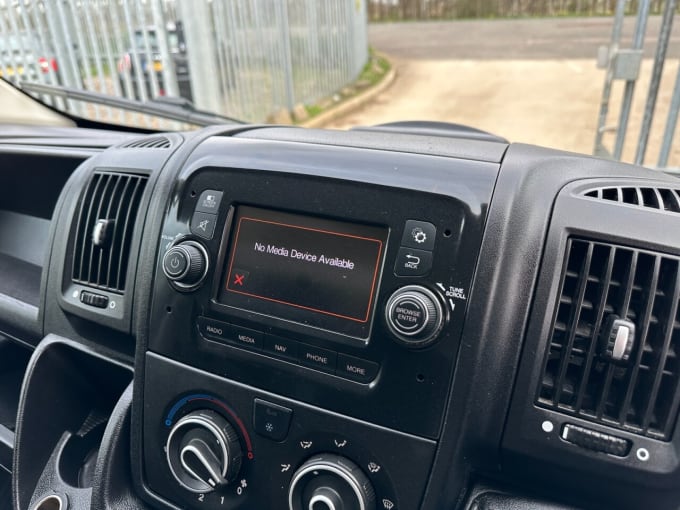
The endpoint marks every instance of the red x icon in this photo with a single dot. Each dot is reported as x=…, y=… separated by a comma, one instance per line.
x=238, y=279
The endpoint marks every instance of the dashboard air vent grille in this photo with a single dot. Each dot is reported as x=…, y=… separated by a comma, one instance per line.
x=664, y=199
x=155, y=142
x=106, y=219
x=601, y=281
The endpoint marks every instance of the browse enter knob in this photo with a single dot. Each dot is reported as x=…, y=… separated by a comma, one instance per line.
x=414, y=315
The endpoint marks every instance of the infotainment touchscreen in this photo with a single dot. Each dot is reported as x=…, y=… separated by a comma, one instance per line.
x=317, y=272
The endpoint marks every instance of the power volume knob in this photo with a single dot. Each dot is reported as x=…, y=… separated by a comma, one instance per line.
x=186, y=265
x=415, y=316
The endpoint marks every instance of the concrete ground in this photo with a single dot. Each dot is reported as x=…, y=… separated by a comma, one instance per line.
x=540, y=98
x=493, y=39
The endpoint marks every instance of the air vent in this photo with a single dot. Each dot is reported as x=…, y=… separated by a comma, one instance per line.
x=106, y=220
x=664, y=199
x=154, y=142
x=600, y=282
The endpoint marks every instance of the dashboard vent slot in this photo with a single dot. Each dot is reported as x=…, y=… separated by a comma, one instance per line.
x=106, y=220
x=155, y=142
x=664, y=199
x=601, y=281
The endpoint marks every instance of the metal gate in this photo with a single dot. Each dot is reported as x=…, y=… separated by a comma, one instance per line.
x=242, y=58
x=623, y=62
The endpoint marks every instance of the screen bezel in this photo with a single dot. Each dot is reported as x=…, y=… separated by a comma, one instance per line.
x=268, y=321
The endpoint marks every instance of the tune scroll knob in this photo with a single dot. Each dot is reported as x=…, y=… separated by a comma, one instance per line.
x=203, y=451
x=415, y=315
x=330, y=482
x=186, y=265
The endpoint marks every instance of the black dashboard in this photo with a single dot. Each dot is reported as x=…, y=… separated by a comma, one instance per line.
x=257, y=317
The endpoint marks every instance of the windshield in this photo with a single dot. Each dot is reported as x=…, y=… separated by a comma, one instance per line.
x=581, y=76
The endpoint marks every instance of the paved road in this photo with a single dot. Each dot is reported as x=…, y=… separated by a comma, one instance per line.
x=554, y=38
x=533, y=81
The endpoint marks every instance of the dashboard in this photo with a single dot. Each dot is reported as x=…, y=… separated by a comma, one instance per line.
x=402, y=317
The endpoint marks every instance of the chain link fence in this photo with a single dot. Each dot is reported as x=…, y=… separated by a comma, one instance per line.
x=247, y=59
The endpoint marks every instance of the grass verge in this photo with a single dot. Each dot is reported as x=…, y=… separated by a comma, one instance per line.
x=375, y=70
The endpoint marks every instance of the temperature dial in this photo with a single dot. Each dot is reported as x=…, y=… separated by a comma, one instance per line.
x=330, y=482
x=186, y=265
x=203, y=451
x=415, y=316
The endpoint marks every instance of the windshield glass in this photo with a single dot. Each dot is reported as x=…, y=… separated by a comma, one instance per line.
x=582, y=76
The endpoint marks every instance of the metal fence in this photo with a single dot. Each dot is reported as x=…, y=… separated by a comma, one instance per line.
x=243, y=58
x=623, y=62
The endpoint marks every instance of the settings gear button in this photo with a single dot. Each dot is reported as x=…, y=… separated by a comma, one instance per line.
x=419, y=234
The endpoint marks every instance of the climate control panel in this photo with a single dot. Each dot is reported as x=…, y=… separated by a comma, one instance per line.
x=240, y=448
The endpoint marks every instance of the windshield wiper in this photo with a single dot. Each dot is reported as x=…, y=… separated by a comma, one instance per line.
x=184, y=112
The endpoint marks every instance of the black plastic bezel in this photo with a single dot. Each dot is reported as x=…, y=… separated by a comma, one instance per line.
x=408, y=379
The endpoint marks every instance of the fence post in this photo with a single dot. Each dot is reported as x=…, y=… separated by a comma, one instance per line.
x=84, y=59
x=288, y=58
x=638, y=40
x=659, y=60
x=671, y=123
x=197, y=23
x=134, y=55
x=127, y=88
x=609, y=79
x=68, y=62
x=141, y=25
x=40, y=33
x=169, y=73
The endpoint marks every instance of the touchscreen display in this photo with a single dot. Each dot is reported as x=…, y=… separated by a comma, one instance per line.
x=314, y=271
